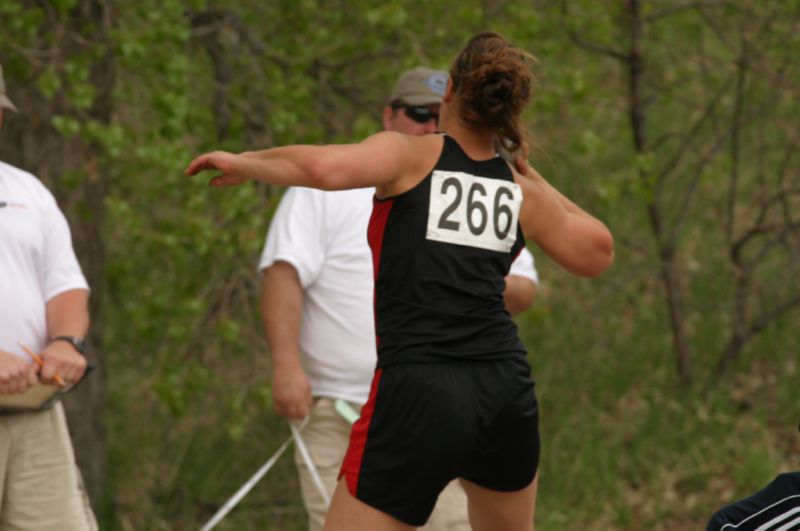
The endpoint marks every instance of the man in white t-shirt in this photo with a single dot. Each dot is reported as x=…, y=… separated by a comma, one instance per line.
x=43, y=305
x=317, y=289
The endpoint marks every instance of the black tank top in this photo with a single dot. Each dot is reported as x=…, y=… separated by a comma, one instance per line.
x=440, y=253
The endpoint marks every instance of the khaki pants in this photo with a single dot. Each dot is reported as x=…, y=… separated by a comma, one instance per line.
x=326, y=435
x=40, y=485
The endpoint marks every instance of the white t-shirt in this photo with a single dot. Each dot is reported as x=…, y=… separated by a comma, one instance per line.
x=37, y=261
x=524, y=266
x=324, y=236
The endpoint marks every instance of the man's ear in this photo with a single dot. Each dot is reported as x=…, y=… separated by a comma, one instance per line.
x=448, y=91
x=388, y=114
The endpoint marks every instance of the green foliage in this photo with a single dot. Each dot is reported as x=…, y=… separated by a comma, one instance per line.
x=623, y=449
x=48, y=83
x=23, y=22
x=66, y=125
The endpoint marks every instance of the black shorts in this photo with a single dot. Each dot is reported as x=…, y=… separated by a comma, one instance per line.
x=426, y=424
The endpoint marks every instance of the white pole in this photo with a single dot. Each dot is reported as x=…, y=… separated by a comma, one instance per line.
x=301, y=447
x=231, y=503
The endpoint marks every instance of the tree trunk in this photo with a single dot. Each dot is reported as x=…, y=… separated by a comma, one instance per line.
x=670, y=272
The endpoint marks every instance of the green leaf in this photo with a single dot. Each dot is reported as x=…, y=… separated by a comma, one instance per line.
x=48, y=83
x=82, y=95
x=64, y=6
x=66, y=125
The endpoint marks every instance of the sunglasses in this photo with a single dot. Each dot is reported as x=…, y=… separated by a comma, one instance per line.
x=421, y=115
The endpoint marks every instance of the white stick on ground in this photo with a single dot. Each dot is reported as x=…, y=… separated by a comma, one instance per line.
x=231, y=503
x=301, y=446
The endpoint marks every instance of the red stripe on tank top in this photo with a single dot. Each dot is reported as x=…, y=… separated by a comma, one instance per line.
x=375, y=231
x=351, y=466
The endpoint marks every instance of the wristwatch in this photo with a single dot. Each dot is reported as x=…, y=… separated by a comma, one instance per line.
x=79, y=344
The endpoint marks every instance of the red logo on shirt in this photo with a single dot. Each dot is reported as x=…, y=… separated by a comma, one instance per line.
x=4, y=204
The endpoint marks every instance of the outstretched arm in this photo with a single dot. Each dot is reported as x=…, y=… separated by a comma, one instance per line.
x=380, y=160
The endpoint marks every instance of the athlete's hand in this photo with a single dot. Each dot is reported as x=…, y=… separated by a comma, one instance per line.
x=217, y=160
x=61, y=358
x=16, y=374
x=291, y=391
x=521, y=160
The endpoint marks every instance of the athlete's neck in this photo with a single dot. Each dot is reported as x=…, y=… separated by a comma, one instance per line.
x=477, y=145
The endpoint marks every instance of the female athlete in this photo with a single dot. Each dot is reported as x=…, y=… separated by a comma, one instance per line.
x=452, y=395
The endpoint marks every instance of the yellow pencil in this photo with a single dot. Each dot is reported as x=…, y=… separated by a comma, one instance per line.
x=40, y=362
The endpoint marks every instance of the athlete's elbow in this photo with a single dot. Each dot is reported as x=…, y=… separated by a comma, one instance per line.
x=596, y=267
x=598, y=258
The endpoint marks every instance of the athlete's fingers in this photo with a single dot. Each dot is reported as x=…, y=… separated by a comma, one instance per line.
x=525, y=149
x=215, y=160
x=521, y=162
x=200, y=163
x=226, y=180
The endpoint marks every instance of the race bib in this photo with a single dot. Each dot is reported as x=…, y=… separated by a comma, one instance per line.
x=474, y=211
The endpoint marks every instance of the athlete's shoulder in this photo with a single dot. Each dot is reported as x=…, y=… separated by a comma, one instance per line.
x=396, y=138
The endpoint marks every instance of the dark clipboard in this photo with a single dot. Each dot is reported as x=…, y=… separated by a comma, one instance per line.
x=38, y=397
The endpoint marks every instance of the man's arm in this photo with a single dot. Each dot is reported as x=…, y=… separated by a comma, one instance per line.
x=281, y=307
x=521, y=283
x=519, y=293
x=67, y=315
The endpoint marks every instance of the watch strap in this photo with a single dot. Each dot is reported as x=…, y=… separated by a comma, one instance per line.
x=79, y=344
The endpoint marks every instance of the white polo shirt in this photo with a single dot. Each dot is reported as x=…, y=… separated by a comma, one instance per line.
x=37, y=261
x=324, y=236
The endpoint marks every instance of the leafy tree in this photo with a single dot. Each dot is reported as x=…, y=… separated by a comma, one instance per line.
x=709, y=109
x=674, y=121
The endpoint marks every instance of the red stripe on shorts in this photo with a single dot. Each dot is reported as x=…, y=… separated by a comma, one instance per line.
x=351, y=466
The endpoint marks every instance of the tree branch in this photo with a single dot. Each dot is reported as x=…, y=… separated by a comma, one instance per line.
x=587, y=45
x=736, y=132
x=688, y=140
x=671, y=10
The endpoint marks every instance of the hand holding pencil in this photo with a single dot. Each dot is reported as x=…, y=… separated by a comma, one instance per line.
x=40, y=362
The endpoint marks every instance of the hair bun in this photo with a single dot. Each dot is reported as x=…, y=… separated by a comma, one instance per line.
x=492, y=81
x=497, y=88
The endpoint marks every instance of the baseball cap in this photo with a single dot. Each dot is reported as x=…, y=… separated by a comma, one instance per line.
x=420, y=86
x=4, y=101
